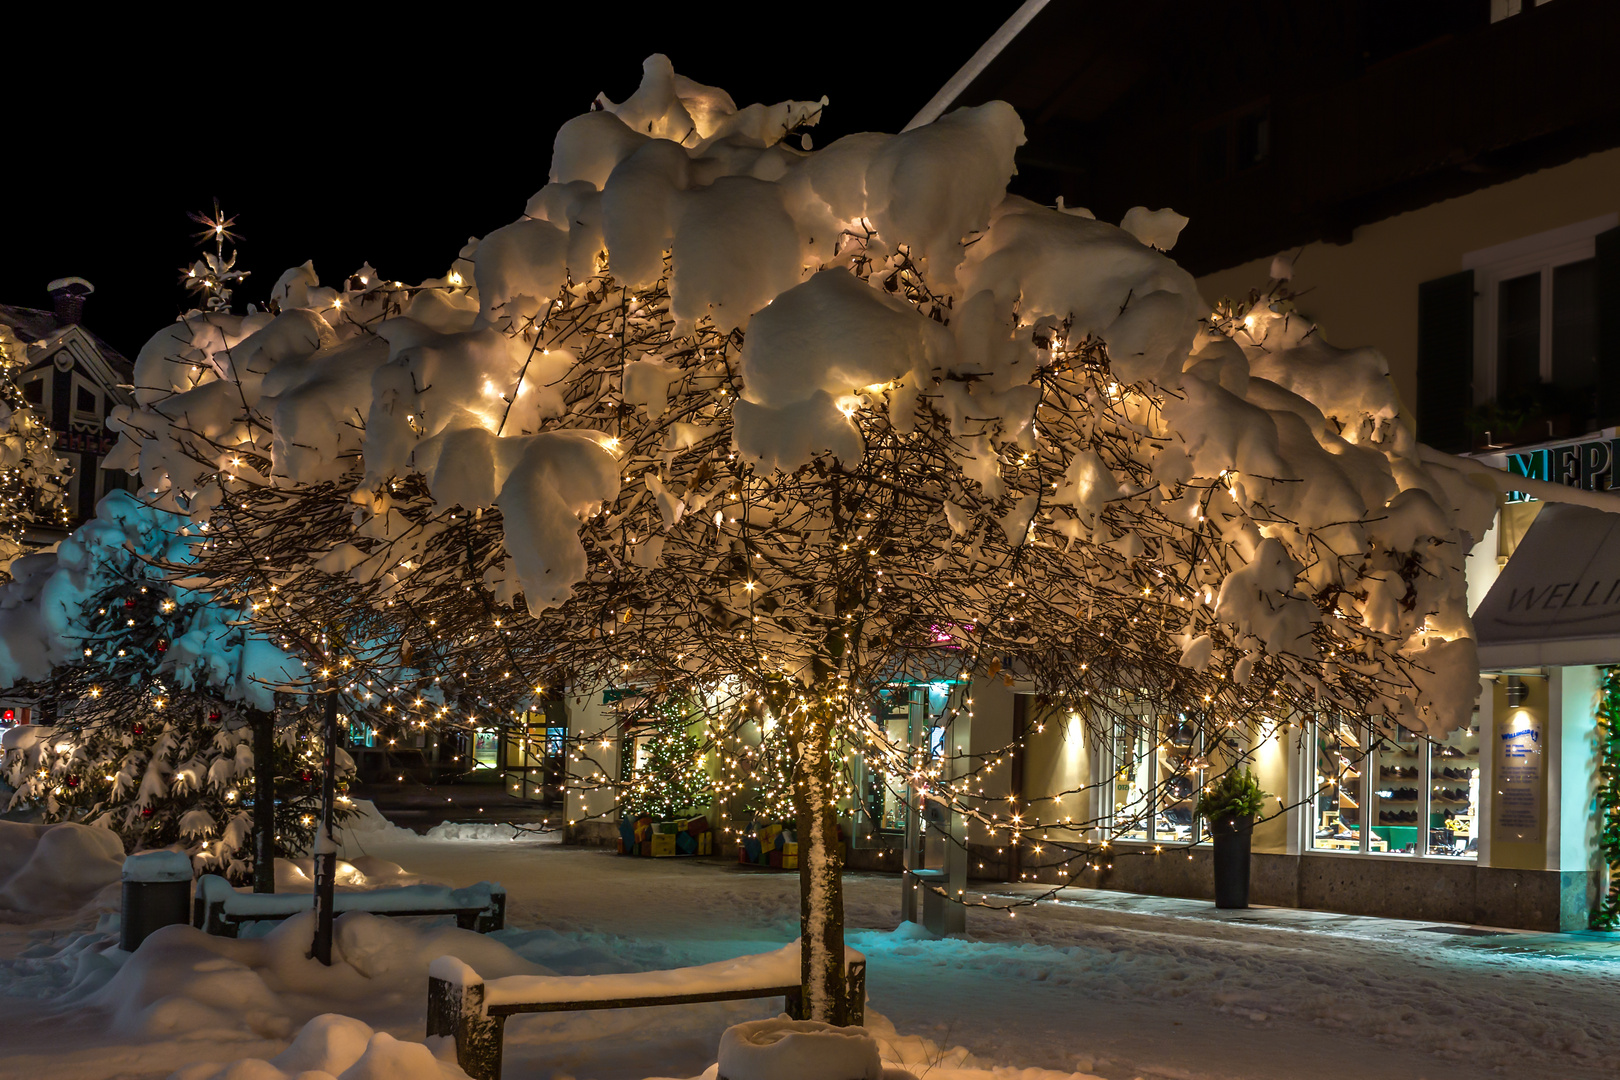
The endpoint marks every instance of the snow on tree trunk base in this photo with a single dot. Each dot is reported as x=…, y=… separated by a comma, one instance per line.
x=797, y=1050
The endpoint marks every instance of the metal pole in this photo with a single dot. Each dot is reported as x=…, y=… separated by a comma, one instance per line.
x=264, y=800
x=325, y=846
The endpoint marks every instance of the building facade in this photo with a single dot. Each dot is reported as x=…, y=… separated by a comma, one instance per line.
x=74, y=379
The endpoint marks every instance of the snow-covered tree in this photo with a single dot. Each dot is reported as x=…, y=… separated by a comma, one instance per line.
x=774, y=427
x=33, y=479
x=164, y=718
x=162, y=768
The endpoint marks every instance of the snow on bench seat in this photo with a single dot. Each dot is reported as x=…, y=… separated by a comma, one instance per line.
x=219, y=906
x=777, y=970
x=473, y=1010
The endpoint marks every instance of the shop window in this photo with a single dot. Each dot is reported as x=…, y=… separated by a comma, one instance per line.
x=1156, y=771
x=1453, y=776
x=1397, y=813
x=34, y=391
x=1395, y=794
x=486, y=748
x=886, y=793
x=1336, y=823
x=1133, y=779
x=1180, y=779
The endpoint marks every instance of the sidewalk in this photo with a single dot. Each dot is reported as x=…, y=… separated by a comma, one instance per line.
x=1576, y=945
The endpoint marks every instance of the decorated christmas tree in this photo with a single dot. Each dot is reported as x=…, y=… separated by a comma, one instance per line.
x=164, y=769
x=669, y=774
x=167, y=717
x=33, y=479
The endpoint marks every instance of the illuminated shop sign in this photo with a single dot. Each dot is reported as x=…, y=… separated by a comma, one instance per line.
x=1585, y=465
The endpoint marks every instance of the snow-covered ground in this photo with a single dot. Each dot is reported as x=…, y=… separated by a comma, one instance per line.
x=1108, y=985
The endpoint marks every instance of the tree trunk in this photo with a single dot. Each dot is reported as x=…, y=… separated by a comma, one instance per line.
x=821, y=859
x=325, y=849
x=264, y=801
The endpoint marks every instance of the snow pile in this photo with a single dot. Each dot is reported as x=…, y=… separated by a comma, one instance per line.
x=331, y=1045
x=798, y=1050
x=182, y=981
x=917, y=1056
x=52, y=869
x=358, y=872
x=366, y=824
x=490, y=830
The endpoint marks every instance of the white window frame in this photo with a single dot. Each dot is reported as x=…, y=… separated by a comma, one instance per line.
x=1542, y=252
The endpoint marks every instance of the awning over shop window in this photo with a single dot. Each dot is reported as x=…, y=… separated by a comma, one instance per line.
x=1557, y=602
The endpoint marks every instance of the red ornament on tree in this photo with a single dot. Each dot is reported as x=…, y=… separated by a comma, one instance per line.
x=130, y=602
x=146, y=811
x=137, y=728
x=213, y=716
x=162, y=647
x=306, y=776
x=73, y=781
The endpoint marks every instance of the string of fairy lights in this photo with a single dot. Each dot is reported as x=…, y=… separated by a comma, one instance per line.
x=33, y=480
x=795, y=598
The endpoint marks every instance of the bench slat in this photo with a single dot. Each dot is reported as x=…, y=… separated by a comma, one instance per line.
x=642, y=1002
x=273, y=916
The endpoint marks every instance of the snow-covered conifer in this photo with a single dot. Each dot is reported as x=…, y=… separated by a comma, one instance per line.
x=162, y=715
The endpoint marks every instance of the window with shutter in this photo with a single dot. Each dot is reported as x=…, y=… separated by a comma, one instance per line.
x=1445, y=361
x=1537, y=371
x=1606, y=323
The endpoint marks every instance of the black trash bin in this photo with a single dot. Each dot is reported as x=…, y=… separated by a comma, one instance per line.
x=157, y=893
x=1232, y=836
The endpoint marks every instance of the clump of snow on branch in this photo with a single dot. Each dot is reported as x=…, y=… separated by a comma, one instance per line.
x=693, y=313
x=43, y=610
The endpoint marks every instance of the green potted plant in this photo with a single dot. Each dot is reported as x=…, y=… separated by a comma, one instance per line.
x=1229, y=805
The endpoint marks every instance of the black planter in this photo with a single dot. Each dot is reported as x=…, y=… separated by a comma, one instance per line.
x=1231, y=836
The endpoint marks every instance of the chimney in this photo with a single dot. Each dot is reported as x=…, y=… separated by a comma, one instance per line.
x=68, y=295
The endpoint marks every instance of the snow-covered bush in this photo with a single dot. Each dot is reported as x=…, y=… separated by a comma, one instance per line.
x=718, y=415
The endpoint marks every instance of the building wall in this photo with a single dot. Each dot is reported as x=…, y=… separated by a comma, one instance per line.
x=1276, y=764
x=591, y=814
x=1366, y=292
x=1060, y=757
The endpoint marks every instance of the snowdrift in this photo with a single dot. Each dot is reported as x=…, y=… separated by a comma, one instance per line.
x=52, y=869
x=182, y=981
x=331, y=1045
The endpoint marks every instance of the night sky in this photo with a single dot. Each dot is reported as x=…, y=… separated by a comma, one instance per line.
x=390, y=136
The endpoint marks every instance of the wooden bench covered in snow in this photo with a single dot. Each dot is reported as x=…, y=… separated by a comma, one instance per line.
x=218, y=909
x=473, y=1010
